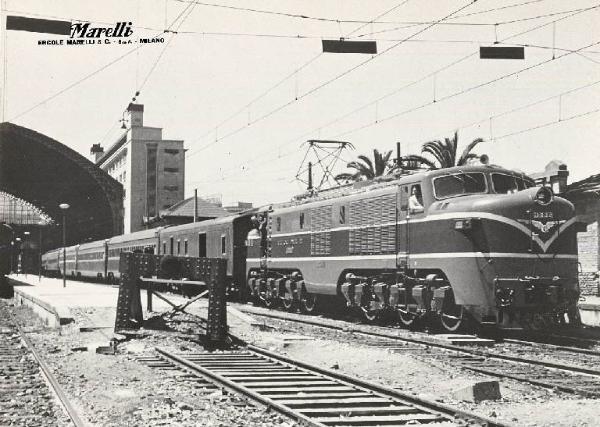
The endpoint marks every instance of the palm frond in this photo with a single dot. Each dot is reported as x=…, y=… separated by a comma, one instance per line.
x=463, y=157
x=421, y=160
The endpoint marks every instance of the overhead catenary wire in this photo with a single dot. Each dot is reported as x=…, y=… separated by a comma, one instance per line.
x=428, y=75
x=570, y=51
x=283, y=80
x=463, y=91
x=328, y=82
x=503, y=136
x=494, y=24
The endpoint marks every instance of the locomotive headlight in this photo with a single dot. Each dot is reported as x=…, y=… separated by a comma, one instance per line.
x=466, y=224
x=544, y=196
x=463, y=224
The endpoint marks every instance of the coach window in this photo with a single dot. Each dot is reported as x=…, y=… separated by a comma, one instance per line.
x=172, y=245
x=223, y=248
x=185, y=247
x=164, y=248
x=278, y=220
x=202, y=245
x=178, y=247
x=301, y=220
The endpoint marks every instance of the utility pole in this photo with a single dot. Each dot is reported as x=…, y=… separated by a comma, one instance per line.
x=195, y=204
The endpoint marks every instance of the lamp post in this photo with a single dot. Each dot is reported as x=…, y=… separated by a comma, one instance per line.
x=24, y=252
x=18, y=245
x=64, y=207
x=41, y=223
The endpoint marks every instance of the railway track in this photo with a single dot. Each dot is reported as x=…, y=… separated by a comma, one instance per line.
x=27, y=386
x=310, y=395
x=577, y=375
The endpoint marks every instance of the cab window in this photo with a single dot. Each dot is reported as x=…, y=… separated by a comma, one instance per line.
x=459, y=184
x=504, y=184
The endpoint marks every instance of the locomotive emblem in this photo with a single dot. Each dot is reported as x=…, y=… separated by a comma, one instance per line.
x=545, y=228
x=543, y=224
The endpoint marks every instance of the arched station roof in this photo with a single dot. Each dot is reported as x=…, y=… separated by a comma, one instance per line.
x=46, y=173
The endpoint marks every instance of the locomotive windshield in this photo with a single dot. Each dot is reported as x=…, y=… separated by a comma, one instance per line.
x=505, y=184
x=459, y=184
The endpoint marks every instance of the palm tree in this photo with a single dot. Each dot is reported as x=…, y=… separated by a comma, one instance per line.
x=444, y=153
x=367, y=169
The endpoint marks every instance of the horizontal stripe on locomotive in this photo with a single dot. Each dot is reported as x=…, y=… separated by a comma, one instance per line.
x=421, y=256
x=446, y=216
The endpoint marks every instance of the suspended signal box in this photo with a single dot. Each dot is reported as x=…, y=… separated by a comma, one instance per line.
x=50, y=26
x=344, y=46
x=501, y=52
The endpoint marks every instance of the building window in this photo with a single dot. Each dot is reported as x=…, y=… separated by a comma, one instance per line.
x=171, y=151
x=223, y=248
x=171, y=187
x=171, y=169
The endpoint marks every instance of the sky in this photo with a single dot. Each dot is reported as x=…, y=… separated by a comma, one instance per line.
x=245, y=83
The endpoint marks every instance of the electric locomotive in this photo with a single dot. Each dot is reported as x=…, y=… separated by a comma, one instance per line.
x=444, y=246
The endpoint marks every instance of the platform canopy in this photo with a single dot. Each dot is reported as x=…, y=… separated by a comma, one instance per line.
x=45, y=173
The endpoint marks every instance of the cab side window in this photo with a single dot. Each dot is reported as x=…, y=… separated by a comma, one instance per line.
x=415, y=201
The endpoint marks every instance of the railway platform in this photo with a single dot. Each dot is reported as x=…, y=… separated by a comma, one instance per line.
x=589, y=308
x=53, y=302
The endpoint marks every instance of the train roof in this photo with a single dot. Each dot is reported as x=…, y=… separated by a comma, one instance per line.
x=143, y=234
x=202, y=224
x=92, y=245
x=388, y=181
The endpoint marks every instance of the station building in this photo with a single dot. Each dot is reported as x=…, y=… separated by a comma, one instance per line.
x=150, y=168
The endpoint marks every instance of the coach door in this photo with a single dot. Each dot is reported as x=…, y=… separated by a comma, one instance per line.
x=402, y=242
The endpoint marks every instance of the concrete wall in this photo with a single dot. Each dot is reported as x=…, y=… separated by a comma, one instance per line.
x=588, y=245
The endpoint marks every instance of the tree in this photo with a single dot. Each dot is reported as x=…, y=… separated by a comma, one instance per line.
x=367, y=169
x=444, y=153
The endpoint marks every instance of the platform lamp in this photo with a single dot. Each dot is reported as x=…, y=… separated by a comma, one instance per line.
x=24, y=253
x=64, y=207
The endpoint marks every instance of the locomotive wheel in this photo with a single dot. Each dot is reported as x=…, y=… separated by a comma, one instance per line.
x=370, y=315
x=452, y=315
x=288, y=302
x=407, y=318
x=308, y=303
x=454, y=320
